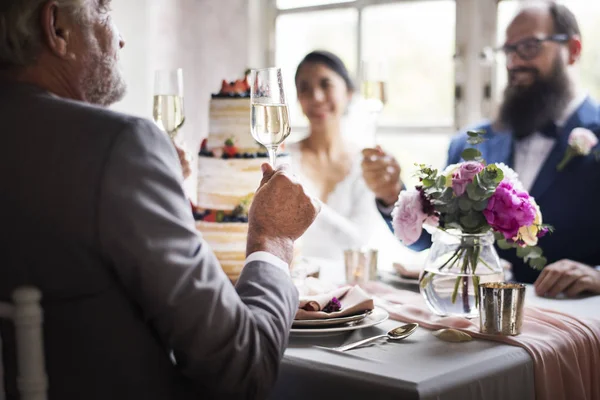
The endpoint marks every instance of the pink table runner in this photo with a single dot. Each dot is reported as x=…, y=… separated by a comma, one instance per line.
x=565, y=350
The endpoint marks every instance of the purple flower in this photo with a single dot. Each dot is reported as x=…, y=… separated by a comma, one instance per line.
x=542, y=232
x=408, y=217
x=464, y=175
x=333, y=305
x=508, y=210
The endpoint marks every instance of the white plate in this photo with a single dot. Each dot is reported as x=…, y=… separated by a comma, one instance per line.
x=376, y=317
x=395, y=277
x=329, y=321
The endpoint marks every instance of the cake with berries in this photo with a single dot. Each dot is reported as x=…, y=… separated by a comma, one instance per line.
x=229, y=173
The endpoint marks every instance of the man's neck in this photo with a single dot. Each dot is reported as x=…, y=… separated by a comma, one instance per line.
x=47, y=79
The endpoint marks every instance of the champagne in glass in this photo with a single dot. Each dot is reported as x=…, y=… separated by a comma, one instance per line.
x=168, y=109
x=270, y=120
x=374, y=93
x=373, y=84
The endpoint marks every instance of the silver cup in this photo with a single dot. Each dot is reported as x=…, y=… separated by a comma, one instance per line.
x=361, y=265
x=501, y=308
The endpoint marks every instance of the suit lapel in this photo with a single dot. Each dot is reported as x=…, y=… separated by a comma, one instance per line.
x=586, y=115
x=499, y=148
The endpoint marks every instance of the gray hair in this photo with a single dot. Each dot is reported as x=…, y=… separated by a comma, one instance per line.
x=20, y=31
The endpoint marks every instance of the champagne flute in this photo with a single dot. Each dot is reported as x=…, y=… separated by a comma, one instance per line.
x=373, y=90
x=270, y=120
x=373, y=84
x=168, y=109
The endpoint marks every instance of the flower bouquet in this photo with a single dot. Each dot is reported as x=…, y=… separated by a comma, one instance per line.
x=467, y=207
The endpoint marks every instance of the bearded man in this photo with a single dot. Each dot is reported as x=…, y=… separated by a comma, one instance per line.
x=542, y=105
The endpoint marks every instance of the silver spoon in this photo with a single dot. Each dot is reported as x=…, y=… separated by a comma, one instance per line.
x=398, y=333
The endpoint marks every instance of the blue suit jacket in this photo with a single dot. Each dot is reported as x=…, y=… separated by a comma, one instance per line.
x=569, y=199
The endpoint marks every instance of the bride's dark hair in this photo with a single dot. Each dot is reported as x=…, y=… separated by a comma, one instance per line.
x=331, y=61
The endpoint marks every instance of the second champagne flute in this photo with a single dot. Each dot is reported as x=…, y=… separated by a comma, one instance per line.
x=168, y=110
x=270, y=121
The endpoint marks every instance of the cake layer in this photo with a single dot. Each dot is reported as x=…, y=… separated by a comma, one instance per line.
x=224, y=183
x=228, y=242
x=230, y=119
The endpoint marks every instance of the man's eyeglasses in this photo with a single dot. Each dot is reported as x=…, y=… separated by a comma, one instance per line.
x=529, y=48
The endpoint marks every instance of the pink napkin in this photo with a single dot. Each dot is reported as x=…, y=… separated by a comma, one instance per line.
x=565, y=350
x=353, y=300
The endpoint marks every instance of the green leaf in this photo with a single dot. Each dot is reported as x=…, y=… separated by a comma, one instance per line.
x=523, y=252
x=464, y=203
x=471, y=220
x=480, y=205
x=475, y=141
x=475, y=192
x=440, y=181
x=474, y=134
x=538, y=263
x=471, y=154
x=447, y=194
x=534, y=252
x=503, y=244
x=428, y=182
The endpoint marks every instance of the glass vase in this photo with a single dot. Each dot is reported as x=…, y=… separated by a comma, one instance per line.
x=457, y=263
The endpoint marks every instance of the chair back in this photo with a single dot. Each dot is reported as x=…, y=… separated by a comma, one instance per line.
x=25, y=312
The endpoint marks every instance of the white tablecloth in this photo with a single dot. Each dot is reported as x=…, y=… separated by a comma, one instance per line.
x=419, y=367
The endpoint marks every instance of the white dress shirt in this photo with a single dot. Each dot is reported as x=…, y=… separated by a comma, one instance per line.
x=531, y=153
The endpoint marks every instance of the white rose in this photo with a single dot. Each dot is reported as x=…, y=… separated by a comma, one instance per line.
x=582, y=141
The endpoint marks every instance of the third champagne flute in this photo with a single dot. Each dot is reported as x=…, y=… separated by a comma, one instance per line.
x=270, y=121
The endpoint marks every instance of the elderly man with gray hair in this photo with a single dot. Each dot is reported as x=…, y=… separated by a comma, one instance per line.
x=135, y=303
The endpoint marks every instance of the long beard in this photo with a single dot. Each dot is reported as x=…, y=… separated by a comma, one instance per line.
x=526, y=110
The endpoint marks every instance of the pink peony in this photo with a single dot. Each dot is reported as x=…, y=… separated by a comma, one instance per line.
x=508, y=210
x=582, y=141
x=464, y=175
x=408, y=217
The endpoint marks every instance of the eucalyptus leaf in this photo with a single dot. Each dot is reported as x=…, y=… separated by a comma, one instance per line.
x=480, y=205
x=473, y=192
x=440, y=181
x=523, y=252
x=471, y=220
x=475, y=141
x=473, y=134
x=464, y=203
x=503, y=244
x=470, y=154
x=447, y=194
x=534, y=252
x=538, y=263
x=427, y=182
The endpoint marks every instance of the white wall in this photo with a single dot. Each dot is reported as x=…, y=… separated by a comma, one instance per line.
x=207, y=38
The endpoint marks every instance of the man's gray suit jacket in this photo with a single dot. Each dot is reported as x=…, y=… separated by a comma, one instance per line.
x=136, y=306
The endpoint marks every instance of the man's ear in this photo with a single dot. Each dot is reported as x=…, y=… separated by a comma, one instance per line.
x=56, y=30
x=574, y=46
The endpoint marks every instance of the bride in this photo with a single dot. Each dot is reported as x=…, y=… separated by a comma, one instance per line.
x=328, y=164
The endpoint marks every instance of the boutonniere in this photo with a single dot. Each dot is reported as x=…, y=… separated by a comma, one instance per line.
x=581, y=143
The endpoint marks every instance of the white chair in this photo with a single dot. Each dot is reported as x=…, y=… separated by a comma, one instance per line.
x=26, y=313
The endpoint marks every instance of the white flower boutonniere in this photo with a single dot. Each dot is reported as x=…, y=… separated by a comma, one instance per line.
x=581, y=143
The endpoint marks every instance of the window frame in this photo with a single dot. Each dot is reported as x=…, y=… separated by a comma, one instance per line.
x=474, y=97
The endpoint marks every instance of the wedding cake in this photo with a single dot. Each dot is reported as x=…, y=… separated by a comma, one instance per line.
x=229, y=173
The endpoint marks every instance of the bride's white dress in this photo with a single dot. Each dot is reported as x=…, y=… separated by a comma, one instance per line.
x=349, y=218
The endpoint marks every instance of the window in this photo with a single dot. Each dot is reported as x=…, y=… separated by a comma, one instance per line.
x=286, y=4
x=587, y=14
x=300, y=33
x=419, y=60
x=421, y=71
